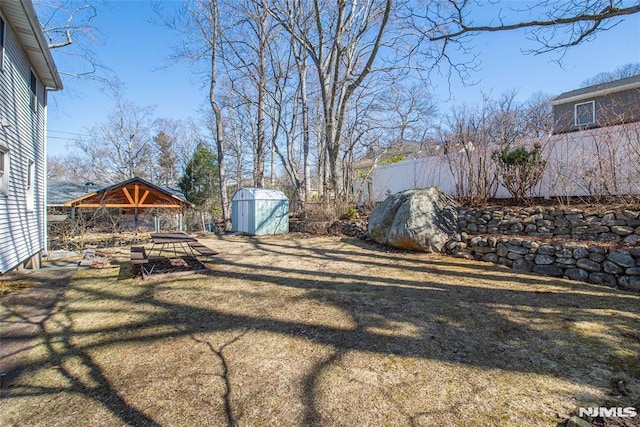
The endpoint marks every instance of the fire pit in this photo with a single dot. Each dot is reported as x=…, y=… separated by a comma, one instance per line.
x=175, y=266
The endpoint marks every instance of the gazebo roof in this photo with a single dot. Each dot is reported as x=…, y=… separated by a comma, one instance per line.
x=129, y=194
x=59, y=192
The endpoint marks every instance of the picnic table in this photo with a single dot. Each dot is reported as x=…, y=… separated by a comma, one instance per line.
x=163, y=240
x=166, y=241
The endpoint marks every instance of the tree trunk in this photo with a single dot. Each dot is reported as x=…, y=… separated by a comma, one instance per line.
x=220, y=138
x=261, y=143
x=305, y=130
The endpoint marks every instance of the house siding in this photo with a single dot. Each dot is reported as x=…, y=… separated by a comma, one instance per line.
x=22, y=233
x=612, y=109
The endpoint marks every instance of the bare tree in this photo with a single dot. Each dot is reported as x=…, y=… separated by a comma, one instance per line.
x=556, y=25
x=407, y=111
x=121, y=147
x=245, y=50
x=185, y=136
x=301, y=66
x=538, y=116
x=199, y=23
x=501, y=138
x=240, y=134
x=468, y=150
x=505, y=119
x=311, y=78
x=342, y=41
x=69, y=168
x=62, y=21
x=627, y=70
x=166, y=171
x=204, y=17
x=283, y=111
x=71, y=34
x=56, y=168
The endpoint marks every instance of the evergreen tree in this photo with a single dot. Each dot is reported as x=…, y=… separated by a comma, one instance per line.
x=200, y=180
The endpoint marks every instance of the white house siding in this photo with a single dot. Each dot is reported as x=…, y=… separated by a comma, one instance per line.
x=22, y=233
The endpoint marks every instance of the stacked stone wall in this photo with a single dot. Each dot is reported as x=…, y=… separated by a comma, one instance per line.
x=601, y=247
x=577, y=224
x=588, y=263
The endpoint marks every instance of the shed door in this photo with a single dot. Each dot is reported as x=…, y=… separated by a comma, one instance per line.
x=243, y=216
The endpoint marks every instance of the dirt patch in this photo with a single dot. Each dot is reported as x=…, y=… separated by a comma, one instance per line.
x=175, y=266
x=292, y=330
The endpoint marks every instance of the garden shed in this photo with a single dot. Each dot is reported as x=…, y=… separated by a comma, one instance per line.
x=260, y=211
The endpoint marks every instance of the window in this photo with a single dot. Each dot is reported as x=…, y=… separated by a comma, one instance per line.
x=2, y=36
x=585, y=113
x=30, y=178
x=34, y=91
x=4, y=171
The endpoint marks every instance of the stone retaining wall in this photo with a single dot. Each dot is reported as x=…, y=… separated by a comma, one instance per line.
x=552, y=222
x=577, y=261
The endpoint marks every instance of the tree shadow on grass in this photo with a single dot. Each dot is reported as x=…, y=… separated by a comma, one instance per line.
x=473, y=317
x=23, y=314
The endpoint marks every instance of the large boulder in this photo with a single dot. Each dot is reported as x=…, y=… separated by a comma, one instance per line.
x=422, y=220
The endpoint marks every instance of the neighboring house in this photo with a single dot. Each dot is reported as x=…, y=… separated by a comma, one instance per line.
x=27, y=73
x=601, y=105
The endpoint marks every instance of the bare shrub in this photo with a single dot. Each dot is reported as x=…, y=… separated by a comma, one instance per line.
x=599, y=165
x=469, y=156
x=474, y=135
x=318, y=217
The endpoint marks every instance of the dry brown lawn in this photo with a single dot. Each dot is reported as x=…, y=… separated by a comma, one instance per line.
x=294, y=330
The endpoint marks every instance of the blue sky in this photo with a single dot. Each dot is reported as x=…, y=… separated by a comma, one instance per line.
x=138, y=51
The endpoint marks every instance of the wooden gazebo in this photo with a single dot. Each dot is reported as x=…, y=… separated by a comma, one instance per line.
x=132, y=195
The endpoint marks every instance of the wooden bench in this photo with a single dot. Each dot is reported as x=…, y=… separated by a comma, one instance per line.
x=140, y=257
x=207, y=252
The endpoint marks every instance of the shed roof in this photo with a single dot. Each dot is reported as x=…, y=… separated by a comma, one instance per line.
x=21, y=16
x=132, y=193
x=259, y=194
x=628, y=83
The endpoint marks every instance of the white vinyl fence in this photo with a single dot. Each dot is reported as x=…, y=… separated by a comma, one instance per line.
x=596, y=162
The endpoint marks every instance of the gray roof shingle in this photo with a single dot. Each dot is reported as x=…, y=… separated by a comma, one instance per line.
x=599, y=89
x=60, y=192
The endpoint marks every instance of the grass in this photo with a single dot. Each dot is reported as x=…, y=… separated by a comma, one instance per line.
x=25, y=279
x=6, y=287
x=325, y=331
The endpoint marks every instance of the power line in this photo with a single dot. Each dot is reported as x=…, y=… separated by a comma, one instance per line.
x=67, y=133
x=67, y=139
